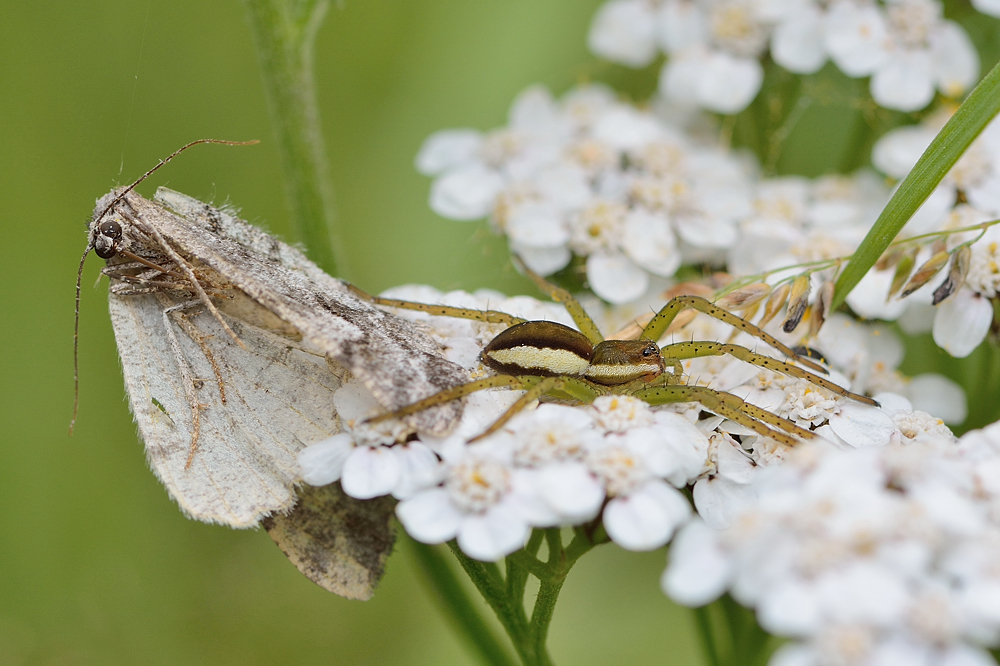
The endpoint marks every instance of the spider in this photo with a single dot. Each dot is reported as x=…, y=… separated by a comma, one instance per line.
x=545, y=358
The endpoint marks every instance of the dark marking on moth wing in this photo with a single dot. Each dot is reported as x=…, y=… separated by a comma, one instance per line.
x=214, y=218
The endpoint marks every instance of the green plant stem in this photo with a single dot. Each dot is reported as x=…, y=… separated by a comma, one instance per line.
x=703, y=621
x=947, y=147
x=284, y=32
x=459, y=607
x=506, y=597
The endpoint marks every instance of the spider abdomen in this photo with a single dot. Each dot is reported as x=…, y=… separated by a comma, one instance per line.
x=542, y=348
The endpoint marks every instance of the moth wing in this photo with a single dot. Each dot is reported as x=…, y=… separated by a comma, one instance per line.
x=397, y=363
x=277, y=401
x=338, y=542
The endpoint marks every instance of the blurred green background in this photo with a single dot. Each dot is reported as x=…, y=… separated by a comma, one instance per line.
x=96, y=564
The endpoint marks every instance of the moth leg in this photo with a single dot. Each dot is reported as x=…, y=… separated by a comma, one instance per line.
x=186, y=377
x=199, y=338
x=573, y=307
x=681, y=350
x=658, y=325
x=731, y=407
x=192, y=278
x=486, y=316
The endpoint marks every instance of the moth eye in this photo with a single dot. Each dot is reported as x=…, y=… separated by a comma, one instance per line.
x=111, y=229
x=109, y=233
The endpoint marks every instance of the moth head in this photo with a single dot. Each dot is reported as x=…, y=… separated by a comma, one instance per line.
x=107, y=236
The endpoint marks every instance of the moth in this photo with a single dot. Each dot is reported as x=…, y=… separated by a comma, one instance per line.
x=232, y=344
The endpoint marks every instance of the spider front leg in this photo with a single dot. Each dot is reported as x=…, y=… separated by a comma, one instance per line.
x=658, y=325
x=731, y=407
x=683, y=350
x=486, y=316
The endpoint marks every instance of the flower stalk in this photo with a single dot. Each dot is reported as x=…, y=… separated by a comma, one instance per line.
x=284, y=33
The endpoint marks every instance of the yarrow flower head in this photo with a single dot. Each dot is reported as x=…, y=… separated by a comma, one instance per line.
x=589, y=175
x=862, y=555
x=714, y=47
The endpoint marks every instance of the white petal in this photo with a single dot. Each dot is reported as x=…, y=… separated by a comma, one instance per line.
x=797, y=42
x=854, y=38
x=542, y=260
x=645, y=519
x=679, y=79
x=534, y=110
x=571, y=491
x=430, y=517
x=861, y=425
x=938, y=396
x=965, y=655
x=698, y=571
x=537, y=225
x=790, y=609
x=446, y=149
x=323, y=463
x=419, y=467
x=956, y=63
x=466, y=193
x=707, y=231
x=649, y=241
x=962, y=322
x=682, y=25
x=867, y=299
x=904, y=82
x=863, y=593
x=615, y=278
x=991, y=7
x=728, y=84
x=794, y=654
x=490, y=536
x=898, y=150
x=626, y=128
x=370, y=472
x=719, y=501
x=624, y=31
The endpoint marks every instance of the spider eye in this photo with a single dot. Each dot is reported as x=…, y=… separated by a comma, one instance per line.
x=648, y=351
x=109, y=233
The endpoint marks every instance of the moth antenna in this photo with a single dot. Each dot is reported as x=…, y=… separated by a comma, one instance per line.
x=76, y=343
x=167, y=159
x=79, y=273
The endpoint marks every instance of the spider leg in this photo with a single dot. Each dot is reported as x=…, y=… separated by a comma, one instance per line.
x=573, y=307
x=453, y=393
x=658, y=325
x=731, y=407
x=487, y=316
x=543, y=385
x=698, y=349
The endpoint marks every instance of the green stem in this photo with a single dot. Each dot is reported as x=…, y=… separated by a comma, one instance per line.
x=284, y=33
x=459, y=608
x=511, y=615
x=703, y=620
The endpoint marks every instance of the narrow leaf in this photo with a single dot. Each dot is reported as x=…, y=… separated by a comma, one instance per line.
x=955, y=137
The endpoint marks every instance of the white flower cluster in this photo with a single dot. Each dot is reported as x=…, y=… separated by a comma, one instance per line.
x=629, y=189
x=879, y=555
x=714, y=47
x=556, y=465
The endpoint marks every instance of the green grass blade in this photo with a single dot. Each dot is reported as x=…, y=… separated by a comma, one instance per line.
x=956, y=136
